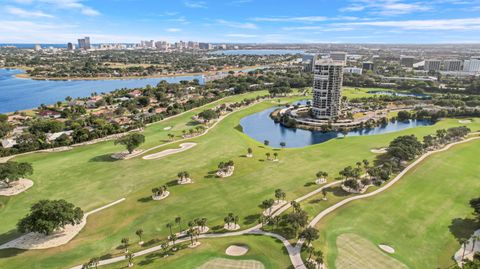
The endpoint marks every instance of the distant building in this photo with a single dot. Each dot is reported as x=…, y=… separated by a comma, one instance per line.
x=432, y=65
x=472, y=65
x=84, y=43
x=368, y=66
x=38, y=47
x=452, y=65
x=328, y=77
x=205, y=46
x=353, y=70
x=407, y=61
x=70, y=46
x=338, y=56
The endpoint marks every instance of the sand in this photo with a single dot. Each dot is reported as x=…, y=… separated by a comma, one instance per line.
x=465, y=121
x=235, y=250
x=183, y=147
x=161, y=197
x=40, y=241
x=17, y=187
x=231, y=227
x=184, y=181
x=468, y=249
x=387, y=249
x=319, y=181
x=379, y=151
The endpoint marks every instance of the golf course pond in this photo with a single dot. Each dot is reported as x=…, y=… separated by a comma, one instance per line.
x=261, y=127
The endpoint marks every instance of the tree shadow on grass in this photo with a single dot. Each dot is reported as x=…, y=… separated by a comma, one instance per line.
x=151, y=242
x=106, y=256
x=463, y=229
x=172, y=183
x=103, y=158
x=315, y=201
x=11, y=252
x=192, y=123
x=308, y=184
x=337, y=191
x=251, y=219
x=145, y=199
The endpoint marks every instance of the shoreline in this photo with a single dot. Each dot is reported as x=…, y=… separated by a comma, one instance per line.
x=27, y=76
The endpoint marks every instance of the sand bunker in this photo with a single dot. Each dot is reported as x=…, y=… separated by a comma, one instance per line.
x=17, y=187
x=161, y=197
x=40, y=241
x=387, y=248
x=236, y=250
x=184, y=181
x=231, y=227
x=183, y=147
x=465, y=121
x=319, y=181
x=379, y=151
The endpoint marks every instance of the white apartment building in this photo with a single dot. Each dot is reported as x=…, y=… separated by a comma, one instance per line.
x=327, y=85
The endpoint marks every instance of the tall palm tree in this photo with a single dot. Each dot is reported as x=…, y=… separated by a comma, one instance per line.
x=275, y=155
x=268, y=155
x=129, y=257
x=178, y=221
x=124, y=242
x=173, y=238
x=475, y=238
x=463, y=243
x=169, y=226
x=139, y=233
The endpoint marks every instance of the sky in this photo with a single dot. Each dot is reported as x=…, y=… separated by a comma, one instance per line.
x=241, y=21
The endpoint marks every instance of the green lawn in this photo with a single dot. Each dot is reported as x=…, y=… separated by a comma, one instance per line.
x=87, y=177
x=420, y=216
x=269, y=251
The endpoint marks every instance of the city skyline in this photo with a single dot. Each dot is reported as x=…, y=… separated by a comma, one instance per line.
x=241, y=21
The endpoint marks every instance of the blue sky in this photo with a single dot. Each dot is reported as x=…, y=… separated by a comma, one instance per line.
x=246, y=21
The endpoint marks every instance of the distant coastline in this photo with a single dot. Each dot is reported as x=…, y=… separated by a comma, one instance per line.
x=27, y=76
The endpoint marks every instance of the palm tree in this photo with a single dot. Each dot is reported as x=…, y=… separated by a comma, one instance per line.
x=169, y=226
x=190, y=232
x=124, y=242
x=275, y=155
x=295, y=205
x=310, y=251
x=139, y=233
x=178, y=221
x=283, y=144
x=129, y=257
x=268, y=155
x=173, y=238
x=319, y=257
x=324, y=193
x=475, y=238
x=250, y=151
x=266, y=142
x=93, y=263
x=463, y=243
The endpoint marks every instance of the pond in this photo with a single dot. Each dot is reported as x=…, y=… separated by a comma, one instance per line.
x=418, y=95
x=260, y=127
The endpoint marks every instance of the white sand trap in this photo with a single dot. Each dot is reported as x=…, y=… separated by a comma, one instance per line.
x=167, y=128
x=275, y=207
x=236, y=250
x=319, y=181
x=387, y=249
x=17, y=187
x=183, y=147
x=194, y=245
x=465, y=121
x=124, y=155
x=231, y=227
x=184, y=181
x=40, y=241
x=379, y=151
x=228, y=173
x=161, y=197
x=221, y=263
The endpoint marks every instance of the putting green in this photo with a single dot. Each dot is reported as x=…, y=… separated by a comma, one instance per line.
x=88, y=177
x=421, y=216
x=356, y=252
x=265, y=252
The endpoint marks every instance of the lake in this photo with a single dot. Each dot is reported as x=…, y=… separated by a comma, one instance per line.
x=260, y=127
x=23, y=93
x=257, y=52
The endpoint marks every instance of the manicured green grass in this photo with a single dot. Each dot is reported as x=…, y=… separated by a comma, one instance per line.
x=269, y=251
x=355, y=252
x=87, y=177
x=420, y=216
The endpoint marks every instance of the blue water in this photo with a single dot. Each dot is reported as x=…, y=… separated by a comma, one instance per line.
x=419, y=95
x=20, y=93
x=261, y=127
x=257, y=52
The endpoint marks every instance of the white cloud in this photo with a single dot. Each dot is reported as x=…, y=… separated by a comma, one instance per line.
x=386, y=7
x=76, y=5
x=440, y=24
x=195, y=4
x=26, y=14
x=173, y=30
x=239, y=25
